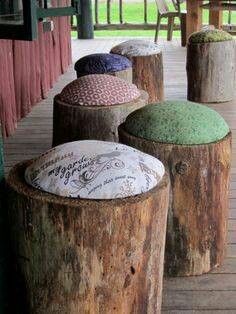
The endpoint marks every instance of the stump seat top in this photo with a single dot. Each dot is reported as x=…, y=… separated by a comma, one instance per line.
x=99, y=90
x=177, y=122
x=101, y=63
x=136, y=48
x=94, y=170
x=209, y=36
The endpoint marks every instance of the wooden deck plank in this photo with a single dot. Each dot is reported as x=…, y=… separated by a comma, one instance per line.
x=199, y=300
x=208, y=294
x=208, y=282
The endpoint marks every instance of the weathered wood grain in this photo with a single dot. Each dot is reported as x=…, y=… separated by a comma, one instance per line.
x=87, y=256
x=198, y=211
x=126, y=74
x=211, y=71
x=71, y=123
x=148, y=75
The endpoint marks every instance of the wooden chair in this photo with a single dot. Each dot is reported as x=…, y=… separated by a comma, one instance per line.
x=164, y=12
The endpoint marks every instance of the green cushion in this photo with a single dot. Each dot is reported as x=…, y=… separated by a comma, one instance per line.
x=177, y=122
x=208, y=36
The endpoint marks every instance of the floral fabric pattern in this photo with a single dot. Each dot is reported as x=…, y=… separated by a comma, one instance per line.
x=94, y=170
x=101, y=63
x=99, y=90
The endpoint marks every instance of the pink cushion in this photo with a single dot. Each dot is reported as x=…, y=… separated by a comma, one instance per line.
x=99, y=90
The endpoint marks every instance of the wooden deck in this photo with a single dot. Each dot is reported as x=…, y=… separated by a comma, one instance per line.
x=211, y=293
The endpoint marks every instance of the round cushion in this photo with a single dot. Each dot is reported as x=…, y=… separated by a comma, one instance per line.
x=177, y=122
x=99, y=90
x=208, y=36
x=94, y=170
x=101, y=63
x=135, y=48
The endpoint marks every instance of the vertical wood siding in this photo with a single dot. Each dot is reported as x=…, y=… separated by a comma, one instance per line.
x=29, y=69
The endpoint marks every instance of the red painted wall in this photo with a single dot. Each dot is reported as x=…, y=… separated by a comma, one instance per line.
x=29, y=69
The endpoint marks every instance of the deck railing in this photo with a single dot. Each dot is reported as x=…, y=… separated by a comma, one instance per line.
x=121, y=24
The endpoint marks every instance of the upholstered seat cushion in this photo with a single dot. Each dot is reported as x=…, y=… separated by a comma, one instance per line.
x=177, y=122
x=135, y=48
x=94, y=170
x=208, y=36
x=99, y=90
x=101, y=63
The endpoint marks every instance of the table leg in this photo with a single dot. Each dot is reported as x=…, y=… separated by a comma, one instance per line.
x=194, y=16
x=216, y=16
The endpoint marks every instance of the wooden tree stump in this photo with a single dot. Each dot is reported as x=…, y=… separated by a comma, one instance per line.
x=81, y=122
x=87, y=256
x=147, y=64
x=198, y=211
x=211, y=70
x=105, y=63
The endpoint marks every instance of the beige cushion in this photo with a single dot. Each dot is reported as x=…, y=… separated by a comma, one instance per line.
x=94, y=170
x=135, y=48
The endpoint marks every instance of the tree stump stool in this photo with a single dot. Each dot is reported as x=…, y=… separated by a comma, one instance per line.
x=78, y=255
x=147, y=64
x=211, y=66
x=92, y=107
x=194, y=143
x=105, y=63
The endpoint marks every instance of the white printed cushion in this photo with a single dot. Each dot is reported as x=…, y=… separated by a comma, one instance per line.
x=99, y=90
x=135, y=48
x=94, y=170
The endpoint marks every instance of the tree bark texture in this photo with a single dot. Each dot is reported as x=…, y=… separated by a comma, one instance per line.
x=126, y=74
x=211, y=71
x=198, y=210
x=87, y=256
x=148, y=75
x=72, y=123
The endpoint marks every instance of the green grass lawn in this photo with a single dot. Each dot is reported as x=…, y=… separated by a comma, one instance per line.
x=133, y=13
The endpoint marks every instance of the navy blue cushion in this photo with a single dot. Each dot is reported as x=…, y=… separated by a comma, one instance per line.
x=101, y=63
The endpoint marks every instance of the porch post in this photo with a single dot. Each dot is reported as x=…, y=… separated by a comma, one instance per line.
x=194, y=16
x=85, y=20
x=215, y=16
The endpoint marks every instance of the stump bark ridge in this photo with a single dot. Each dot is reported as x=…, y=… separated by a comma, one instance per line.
x=87, y=256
